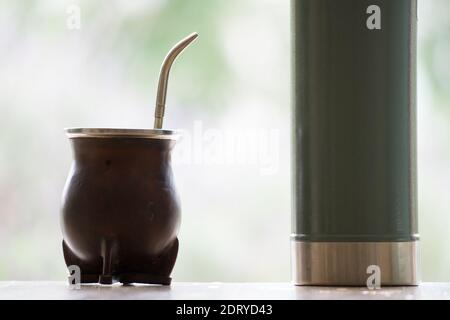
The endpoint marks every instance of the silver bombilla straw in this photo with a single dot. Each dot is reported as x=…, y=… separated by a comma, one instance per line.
x=164, y=78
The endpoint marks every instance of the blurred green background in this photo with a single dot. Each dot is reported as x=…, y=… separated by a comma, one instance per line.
x=233, y=81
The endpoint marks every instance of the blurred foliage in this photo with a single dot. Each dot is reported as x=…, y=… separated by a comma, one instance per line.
x=105, y=74
x=156, y=33
x=435, y=50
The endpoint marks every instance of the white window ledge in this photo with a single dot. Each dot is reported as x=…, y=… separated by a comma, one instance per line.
x=215, y=291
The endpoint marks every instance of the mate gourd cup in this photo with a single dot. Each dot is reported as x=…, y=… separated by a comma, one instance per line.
x=121, y=212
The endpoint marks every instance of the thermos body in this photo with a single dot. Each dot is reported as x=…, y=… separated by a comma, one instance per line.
x=354, y=141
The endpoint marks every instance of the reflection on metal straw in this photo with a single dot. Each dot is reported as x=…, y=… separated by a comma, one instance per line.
x=164, y=77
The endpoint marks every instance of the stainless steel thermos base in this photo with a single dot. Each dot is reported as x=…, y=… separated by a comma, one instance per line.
x=349, y=263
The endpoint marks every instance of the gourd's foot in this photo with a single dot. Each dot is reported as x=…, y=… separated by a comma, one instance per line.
x=89, y=271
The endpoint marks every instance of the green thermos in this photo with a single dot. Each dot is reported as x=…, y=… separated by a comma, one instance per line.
x=354, y=142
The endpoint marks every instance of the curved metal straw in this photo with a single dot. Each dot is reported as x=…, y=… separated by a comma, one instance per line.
x=164, y=77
